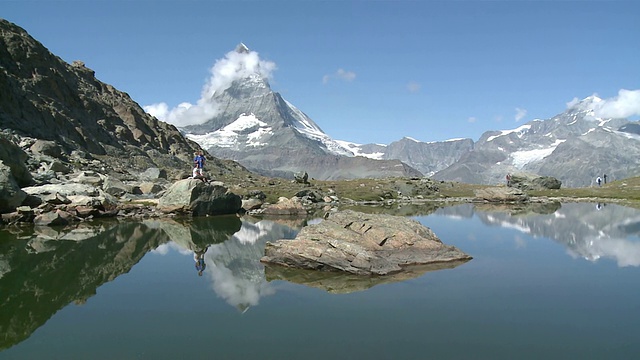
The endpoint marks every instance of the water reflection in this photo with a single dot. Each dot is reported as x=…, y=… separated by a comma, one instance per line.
x=234, y=267
x=343, y=283
x=42, y=270
x=589, y=231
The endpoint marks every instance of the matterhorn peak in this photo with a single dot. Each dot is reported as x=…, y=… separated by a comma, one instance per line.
x=242, y=49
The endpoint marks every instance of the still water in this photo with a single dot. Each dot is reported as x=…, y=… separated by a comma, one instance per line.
x=554, y=283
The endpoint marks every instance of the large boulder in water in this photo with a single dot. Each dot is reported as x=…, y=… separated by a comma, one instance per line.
x=363, y=244
x=199, y=198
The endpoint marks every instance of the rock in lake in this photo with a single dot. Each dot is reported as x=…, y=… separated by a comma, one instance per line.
x=363, y=244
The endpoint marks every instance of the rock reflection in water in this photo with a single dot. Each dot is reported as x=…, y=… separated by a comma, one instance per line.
x=343, y=283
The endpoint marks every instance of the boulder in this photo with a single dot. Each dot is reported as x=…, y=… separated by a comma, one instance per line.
x=150, y=188
x=199, y=198
x=11, y=196
x=153, y=174
x=301, y=177
x=530, y=182
x=501, y=194
x=46, y=147
x=286, y=206
x=53, y=218
x=115, y=187
x=547, y=182
x=363, y=244
x=15, y=158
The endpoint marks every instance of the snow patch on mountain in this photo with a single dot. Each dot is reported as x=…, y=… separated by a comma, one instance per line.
x=524, y=157
x=247, y=125
x=356, y=150
x=308, y=128
x=520, y=131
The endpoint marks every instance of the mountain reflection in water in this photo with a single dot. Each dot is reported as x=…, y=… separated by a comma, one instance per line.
x=589, y=231
x=44, y=269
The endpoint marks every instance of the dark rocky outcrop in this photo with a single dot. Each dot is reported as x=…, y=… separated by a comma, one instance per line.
x=66, y=113
x=364, y=244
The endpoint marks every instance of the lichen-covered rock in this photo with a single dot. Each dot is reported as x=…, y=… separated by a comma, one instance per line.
x=501, y=194
x=364, y=244
x=199, y=198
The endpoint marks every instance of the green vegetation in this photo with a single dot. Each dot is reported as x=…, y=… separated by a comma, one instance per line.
x=626, y=191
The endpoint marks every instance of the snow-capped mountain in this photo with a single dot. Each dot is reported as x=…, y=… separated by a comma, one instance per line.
x=427, y=157
x=575, y=147
x=267, y=134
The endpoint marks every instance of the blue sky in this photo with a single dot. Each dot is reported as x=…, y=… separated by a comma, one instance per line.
x=364, y=71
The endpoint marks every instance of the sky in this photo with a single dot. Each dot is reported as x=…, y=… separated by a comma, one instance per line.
x=364, y=71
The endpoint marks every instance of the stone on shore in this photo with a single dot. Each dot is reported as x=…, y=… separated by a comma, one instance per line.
x=199, y=198
x=363, y=244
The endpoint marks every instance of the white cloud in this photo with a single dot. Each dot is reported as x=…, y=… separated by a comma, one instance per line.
x=626, y=104
x=472, y=119
x=520, y=114
x=413, y=87
x=340, y=74
x=573, y=103
x=234, y=66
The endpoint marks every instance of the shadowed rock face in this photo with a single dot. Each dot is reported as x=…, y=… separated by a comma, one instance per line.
x=364, y=244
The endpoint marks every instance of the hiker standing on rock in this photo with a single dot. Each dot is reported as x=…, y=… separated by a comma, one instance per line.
x=198, y=163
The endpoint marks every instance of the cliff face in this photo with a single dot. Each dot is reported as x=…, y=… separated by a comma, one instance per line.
x=43, y=97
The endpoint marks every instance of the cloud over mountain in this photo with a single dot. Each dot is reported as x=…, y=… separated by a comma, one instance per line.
x=237, y=64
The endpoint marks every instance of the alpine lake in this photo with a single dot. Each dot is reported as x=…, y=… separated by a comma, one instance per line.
x=562, y=282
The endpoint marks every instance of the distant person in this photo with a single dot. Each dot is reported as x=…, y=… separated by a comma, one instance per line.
x=198, y=163
x=508, y=179
x=598, y=206
x=198, y=257
x=599, y=181
x=605, y=178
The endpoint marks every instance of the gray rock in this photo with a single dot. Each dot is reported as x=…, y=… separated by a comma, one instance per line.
x=44, y=147
x=501, y=194
x=251, y=204
x=11, y=196
x=286, y=206
x=199, y=198
x=364, y=244
x=527, y=182
x=115, y=187
x=53, y=218
x=15, y=158
x=153, y=174
x=150, y=188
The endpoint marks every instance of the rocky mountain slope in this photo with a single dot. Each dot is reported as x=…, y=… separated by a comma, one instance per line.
x=262, y=131
x=575, y=147
x=85, y=122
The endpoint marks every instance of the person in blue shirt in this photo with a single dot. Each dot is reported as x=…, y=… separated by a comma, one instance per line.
x=198, y=163
x=198, y=257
